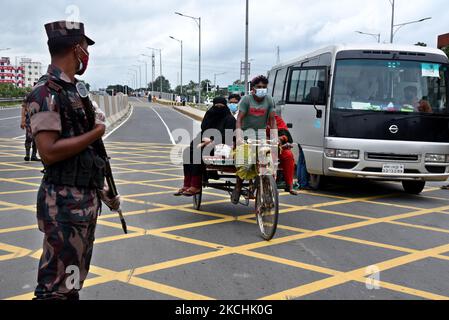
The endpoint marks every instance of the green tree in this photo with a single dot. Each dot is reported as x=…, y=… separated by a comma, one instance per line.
x=8, y=90
x=116, y=88
x=446, y=50
x=166, y=87
x=205, y=85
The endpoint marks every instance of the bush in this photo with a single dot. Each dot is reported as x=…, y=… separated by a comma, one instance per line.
x=8, y=90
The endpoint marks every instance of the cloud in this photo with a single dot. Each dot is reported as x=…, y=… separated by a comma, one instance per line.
x=124, y=29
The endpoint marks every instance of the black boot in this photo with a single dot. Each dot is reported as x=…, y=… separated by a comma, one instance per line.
x=27, y=156
x=34, y=156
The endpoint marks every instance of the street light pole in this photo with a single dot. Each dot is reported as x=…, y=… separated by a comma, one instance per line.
x=246, y=47
x=392, y=20
x=140, y=74
x=399, y=26
x=135, y=74
x=215, y=77
x=180, y=41
x=146, y=73
x=198, y=22
x=376, y=35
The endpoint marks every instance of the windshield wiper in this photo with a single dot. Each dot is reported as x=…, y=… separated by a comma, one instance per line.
x=362, y=114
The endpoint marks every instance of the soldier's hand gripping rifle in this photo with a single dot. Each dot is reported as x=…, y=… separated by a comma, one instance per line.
x=92, y=114
x=112, y=188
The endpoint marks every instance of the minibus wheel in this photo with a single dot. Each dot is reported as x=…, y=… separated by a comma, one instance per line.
x=316, y=181
x=413, y=187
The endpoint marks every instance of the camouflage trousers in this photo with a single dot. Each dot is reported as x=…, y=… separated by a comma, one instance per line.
x=29, y=140
x=68, y=243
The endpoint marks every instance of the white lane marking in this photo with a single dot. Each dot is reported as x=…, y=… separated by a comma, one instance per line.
x=121, y=124
x=168, y=129
x=19, y=137
x=9, y=118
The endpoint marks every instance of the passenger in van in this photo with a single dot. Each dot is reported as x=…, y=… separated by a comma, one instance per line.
x=217, y=117
x=233, y=104
x=256, y=113
x=411, y=98
x=286, y=158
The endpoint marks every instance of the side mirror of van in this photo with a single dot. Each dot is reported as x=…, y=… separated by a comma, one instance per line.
x=315, y=98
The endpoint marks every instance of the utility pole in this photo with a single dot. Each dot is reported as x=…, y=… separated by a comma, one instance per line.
x=146, y=73
x=278, y=55
x=198, y=22
x=246, y=47
x=180, y=41
x=153, y=58
x=392, y=20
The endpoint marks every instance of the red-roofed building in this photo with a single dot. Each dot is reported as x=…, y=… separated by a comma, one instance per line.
x=11, y=74
x=443, y=41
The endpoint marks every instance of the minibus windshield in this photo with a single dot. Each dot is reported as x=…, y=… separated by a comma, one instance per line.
x=392, y=86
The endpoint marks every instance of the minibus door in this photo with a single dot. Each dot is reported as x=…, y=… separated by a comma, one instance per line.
x=305, y=112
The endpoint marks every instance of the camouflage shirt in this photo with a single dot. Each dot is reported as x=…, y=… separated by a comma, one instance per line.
x=60, y=203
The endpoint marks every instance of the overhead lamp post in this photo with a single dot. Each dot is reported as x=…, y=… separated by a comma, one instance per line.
x=152, y=75
x=140, y=74
x=198, y=22
x=135, y=79
x=146, y=72
x=215, y=77
x=180, y=41
x=375, y=35
x=399, y=26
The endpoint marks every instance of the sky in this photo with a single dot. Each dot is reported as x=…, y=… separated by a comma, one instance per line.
x=123, y=30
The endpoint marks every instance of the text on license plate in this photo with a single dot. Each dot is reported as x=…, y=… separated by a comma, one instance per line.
x=393, y=168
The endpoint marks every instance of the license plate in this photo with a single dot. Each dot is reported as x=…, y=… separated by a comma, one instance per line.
x=393, y=168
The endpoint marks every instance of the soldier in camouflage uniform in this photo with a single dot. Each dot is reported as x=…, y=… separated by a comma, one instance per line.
x=30, y=144
x=69, y=198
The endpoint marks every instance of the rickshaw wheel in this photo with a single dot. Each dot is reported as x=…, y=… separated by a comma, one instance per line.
x=267, y=206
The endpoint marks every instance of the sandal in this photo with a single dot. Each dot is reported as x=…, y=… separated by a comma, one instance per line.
x=190, y=193
x=181, y=192
x=291, y=190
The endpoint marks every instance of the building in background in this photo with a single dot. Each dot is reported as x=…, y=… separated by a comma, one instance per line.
x=443, y=41
x=32, y=71
x=11, y=74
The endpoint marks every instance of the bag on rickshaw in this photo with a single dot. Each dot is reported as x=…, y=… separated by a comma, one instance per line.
x=245, y=162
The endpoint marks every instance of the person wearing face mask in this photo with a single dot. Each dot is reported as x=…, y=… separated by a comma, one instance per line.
x=73, y=186
x=233, y=104
x=218, y=117
x=256, y=115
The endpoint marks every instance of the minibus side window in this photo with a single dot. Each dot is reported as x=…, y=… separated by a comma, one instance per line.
x=302, y=80
x=278, y=93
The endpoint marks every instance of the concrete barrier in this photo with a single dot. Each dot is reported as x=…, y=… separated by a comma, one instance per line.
x=115, y=108
x=191, y=112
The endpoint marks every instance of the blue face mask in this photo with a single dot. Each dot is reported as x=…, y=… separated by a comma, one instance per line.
x=261, y=93
x=234, y=107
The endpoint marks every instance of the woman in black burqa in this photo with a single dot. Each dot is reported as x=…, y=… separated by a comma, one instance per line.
x=218, y=117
